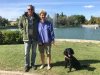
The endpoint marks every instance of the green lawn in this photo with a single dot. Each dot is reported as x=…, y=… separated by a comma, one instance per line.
x=12, y=58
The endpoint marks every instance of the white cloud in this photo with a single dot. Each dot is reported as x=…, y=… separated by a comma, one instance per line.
x=89, y=6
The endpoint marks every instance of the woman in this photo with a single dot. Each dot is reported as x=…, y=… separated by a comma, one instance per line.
x=45, y=38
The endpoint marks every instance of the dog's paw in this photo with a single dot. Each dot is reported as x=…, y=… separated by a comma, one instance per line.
x=66, y=67
x=68, y=71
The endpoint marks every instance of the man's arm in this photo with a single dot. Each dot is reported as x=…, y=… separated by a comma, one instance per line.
x=20, y=24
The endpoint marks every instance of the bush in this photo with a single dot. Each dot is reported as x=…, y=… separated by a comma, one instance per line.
x=1, y=38
x=10, y=37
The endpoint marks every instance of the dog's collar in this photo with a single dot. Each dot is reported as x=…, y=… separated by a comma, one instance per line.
x=66, y=57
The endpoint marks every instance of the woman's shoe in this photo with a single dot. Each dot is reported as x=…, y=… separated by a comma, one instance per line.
x=48, y=67
x=42, y=66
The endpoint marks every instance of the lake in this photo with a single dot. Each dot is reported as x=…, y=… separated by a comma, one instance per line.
x=77, y=33
x=84, y=33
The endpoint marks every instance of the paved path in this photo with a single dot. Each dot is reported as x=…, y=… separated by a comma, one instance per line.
x=14, y=73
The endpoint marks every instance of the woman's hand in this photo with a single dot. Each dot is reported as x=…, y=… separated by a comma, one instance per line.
x=40, y=43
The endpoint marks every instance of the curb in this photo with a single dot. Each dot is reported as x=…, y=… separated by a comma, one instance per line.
x=14, y=73
x=77, y=40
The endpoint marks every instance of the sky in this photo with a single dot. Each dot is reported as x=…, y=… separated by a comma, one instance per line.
x=12, y=9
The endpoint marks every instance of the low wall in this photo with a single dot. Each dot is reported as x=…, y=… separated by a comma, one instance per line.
x=77, y=40
x=91, y=26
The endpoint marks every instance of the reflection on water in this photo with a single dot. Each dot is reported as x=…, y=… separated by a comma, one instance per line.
x=78, y=33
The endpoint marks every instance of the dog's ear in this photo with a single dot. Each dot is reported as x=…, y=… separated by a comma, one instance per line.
x=65, y=52
x=71, y=50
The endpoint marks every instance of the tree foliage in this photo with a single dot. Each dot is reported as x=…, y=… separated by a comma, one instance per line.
x=62, y=20
x=3, y=22
x=94, y=20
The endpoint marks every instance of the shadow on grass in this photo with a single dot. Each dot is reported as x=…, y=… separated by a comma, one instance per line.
x=83, y=62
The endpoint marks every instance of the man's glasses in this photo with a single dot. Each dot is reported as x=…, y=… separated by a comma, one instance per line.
x=30, y=9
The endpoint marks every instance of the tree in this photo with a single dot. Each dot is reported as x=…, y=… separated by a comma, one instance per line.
x=55, y=20
x=92, y=20
x=80, y=19
x=49, y=18
x=4, y=22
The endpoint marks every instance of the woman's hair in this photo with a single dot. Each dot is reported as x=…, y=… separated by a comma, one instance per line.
x=43, y=12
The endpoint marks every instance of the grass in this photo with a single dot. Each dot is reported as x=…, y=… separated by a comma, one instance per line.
x=12, y=58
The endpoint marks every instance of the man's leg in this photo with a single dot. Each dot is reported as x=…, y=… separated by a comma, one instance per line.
x=33, y=56
x=27, y=54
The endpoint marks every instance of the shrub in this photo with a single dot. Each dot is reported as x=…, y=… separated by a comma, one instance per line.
x=1, y=37
x=11, y=37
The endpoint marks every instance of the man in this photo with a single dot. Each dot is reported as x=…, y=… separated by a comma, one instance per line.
x=28, y=24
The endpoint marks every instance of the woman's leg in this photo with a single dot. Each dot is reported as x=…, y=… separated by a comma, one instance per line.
x=48, y=61
x=48, y=49
x=42, y=56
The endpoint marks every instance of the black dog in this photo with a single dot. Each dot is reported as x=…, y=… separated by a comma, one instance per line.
x=70, y=60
